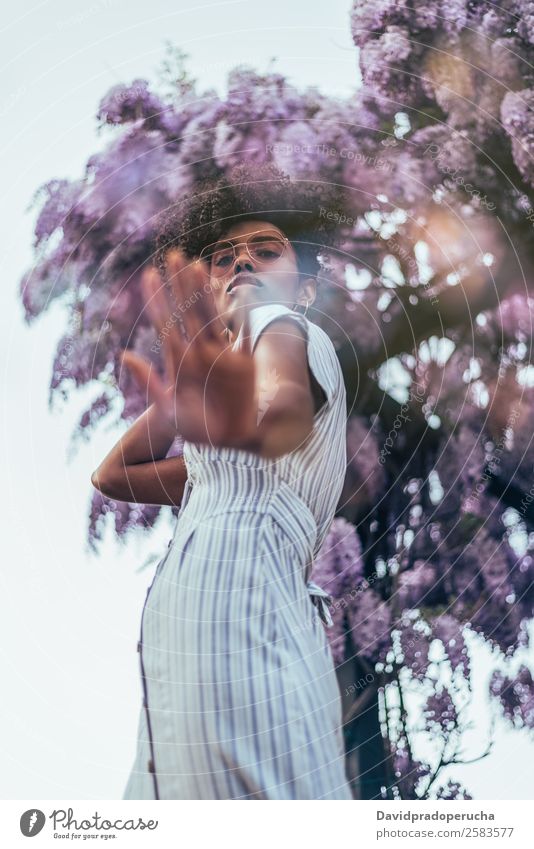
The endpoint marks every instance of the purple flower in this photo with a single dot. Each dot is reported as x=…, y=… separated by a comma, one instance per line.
x=125, y=517
x=254, y=106
x=500, y=623
x=367, y=18
x=460, y=467
x=127, y=103
x=440, y=713
x=513, y=318
x=516, y=696
x=522, y=580
x=298, y=148
x=525, y=20
x=234, y=144
x=365, y=475
x=338, y=566
x=40, y=286
x=496, y=567
x=128, y=181
x=198, y=141
x=408, y=772
x=57, y=198
x=81, y=357
x=370, y=624
x=463, y=579
x=445, y=157
x=444, y=56
x=415, y=646
x=416, y=585
x=517, y=116
x=100, y=407
x=516, y=457
x=452, y=790
x=450, y=631
x=112, y=304
x=385, y=66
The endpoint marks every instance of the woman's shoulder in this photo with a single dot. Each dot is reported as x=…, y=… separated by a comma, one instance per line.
x=263, y=315
x=322, y=358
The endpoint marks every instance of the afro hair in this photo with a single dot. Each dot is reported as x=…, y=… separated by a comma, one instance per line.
x=299, y=209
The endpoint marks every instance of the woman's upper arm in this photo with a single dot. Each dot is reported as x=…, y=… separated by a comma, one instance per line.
x=282, y=373
x=283, y=346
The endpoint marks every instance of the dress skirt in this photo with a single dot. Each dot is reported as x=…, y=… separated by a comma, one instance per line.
x=241, y=699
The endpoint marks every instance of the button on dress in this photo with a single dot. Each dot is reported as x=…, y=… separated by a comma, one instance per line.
x=240, y=695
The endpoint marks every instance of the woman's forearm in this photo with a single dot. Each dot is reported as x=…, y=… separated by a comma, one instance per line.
x=153, y=482
x=145, y=443
x=149, y=438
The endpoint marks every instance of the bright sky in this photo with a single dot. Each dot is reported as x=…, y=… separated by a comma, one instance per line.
x=70, y=621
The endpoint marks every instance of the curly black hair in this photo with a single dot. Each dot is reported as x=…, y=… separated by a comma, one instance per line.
x=299, y=208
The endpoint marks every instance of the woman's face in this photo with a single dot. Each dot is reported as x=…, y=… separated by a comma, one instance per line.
x=265, y=273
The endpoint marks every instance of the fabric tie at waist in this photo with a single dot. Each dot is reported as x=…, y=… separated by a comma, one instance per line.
x=321, y=599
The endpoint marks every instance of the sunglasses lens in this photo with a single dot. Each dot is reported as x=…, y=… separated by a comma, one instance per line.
x=219, y=257
x=262, y=248
x=266, y=250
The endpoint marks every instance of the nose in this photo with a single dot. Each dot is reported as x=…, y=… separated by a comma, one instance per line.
x=243, y=261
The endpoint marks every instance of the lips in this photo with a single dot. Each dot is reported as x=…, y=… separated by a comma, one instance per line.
x=241, y=279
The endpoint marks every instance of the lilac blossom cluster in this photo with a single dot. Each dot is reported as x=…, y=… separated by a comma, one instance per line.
x=516, y=696
x=462, y=73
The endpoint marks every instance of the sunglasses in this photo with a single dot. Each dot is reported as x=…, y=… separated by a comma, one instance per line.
x=263, y=246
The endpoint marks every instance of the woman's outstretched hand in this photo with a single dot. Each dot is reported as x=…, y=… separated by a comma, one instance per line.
x=208, y=394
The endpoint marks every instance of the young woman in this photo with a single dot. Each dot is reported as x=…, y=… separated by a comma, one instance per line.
x=241, y=699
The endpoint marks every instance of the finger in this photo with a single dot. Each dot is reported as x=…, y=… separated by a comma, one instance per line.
x=165, y=320
x=182, y=290
x=176, y=344
x=145, y=376
x=149, y=277
x=195, y=300
x=167, y=323
x=207, y=310
x=156, y=299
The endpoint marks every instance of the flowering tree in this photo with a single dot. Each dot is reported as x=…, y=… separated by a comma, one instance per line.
x=429, y=306
x=441, y=492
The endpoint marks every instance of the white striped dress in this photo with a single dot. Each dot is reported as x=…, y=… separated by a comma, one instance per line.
x=241, y=699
